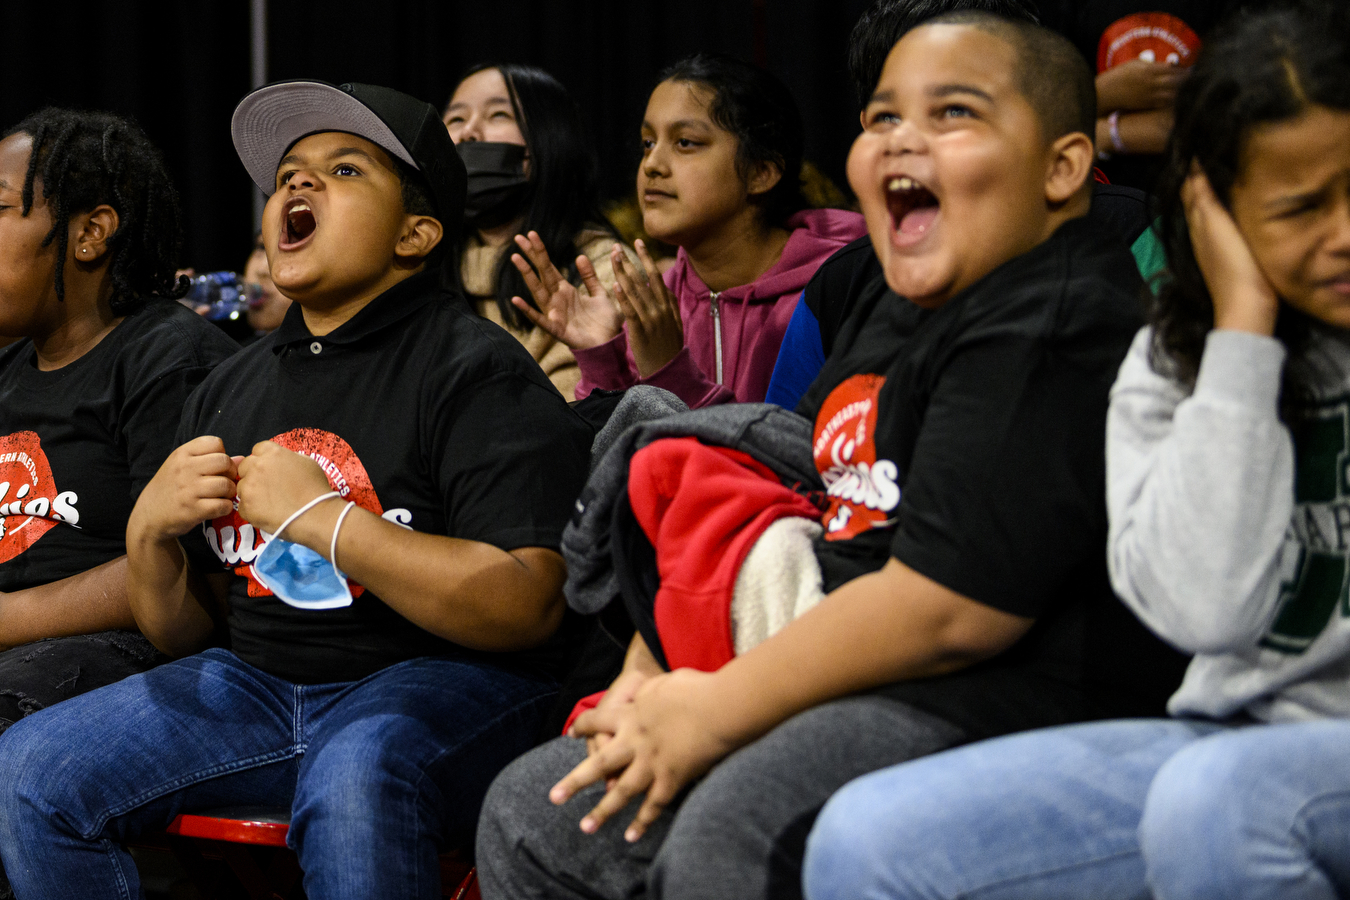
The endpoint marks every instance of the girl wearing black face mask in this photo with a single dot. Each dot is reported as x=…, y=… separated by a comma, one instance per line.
x=530, y=168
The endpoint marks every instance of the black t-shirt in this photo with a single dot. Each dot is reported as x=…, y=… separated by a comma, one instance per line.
x=853, y=276
x=969, y=443
x=79, y=443
x=419, y=411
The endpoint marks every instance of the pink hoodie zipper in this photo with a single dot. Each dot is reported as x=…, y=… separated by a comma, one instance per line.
x=717, y=334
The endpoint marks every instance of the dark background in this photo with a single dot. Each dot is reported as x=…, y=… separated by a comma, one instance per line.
x=180, y=68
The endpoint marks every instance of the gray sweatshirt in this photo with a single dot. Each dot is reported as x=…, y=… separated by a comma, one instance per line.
x=1229, y=536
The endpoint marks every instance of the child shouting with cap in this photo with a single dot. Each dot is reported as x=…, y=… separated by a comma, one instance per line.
x=959, y=437
x=366, y=504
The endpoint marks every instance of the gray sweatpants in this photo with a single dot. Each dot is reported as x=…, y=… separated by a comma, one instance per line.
x=739, y=834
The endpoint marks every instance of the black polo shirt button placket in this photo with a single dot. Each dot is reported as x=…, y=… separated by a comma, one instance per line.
x=316, y=348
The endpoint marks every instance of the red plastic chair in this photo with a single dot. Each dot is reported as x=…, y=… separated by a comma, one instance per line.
x=251, y=842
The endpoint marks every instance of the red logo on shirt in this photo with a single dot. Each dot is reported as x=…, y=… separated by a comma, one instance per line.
x=30, y=505
x=1156, y=37
x=861, y=488
x=237, y=543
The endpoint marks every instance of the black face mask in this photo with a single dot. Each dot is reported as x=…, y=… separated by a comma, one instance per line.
x=498, y=185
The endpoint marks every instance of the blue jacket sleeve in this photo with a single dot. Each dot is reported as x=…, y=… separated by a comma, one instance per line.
x=800, y=359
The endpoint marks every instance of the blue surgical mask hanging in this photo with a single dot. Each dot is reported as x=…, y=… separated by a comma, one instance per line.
x=299, y=576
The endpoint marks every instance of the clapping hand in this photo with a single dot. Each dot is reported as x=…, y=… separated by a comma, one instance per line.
x=655, y=332
x=195, y=483
x=579, y=317
x=274, y=482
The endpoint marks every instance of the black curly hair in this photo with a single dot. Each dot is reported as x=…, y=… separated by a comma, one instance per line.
x=85, y=159
x=1260, y=67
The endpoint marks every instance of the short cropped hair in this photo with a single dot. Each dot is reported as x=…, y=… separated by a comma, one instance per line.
x=886, y=21
x=1050, y=72
x=416, y=196
x=413, y=190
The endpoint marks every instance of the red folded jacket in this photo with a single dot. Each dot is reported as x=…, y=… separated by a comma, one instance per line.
x=702, y=508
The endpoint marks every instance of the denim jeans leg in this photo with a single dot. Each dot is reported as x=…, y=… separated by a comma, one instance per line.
x=37, y=675
x=396, y=765
x=1049, y=815
x=1253, y=813
x=84, y=774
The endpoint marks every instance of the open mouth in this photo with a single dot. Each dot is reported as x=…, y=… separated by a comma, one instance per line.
x=297, y=225
x=912, y=206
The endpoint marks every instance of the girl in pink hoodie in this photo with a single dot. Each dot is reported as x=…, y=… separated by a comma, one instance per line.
x=720, y=179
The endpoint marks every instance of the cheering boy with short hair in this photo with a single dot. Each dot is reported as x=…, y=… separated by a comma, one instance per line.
x=960, y=436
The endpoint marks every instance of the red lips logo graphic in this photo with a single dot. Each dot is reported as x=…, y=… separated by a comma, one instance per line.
x=861, y=488
x=238, y=543
x=30, y=504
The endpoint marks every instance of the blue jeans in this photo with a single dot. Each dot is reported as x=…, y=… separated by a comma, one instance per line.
x=1131, y=809
x=379, y=773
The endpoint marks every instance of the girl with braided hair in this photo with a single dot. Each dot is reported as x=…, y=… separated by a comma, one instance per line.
x=90, y=393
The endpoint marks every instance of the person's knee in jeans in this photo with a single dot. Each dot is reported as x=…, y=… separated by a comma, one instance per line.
x=1048, y=813
x=1237, y=814
x=851, y=836
x=344, y=791
x=364, y=802
x=25, y=791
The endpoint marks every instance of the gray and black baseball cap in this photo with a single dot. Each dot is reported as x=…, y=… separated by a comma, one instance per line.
x=269, y=121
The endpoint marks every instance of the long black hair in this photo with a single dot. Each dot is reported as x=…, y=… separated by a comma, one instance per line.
x=1260, y=67
x=564, y=196
x=760, y=111
x=86, y=159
